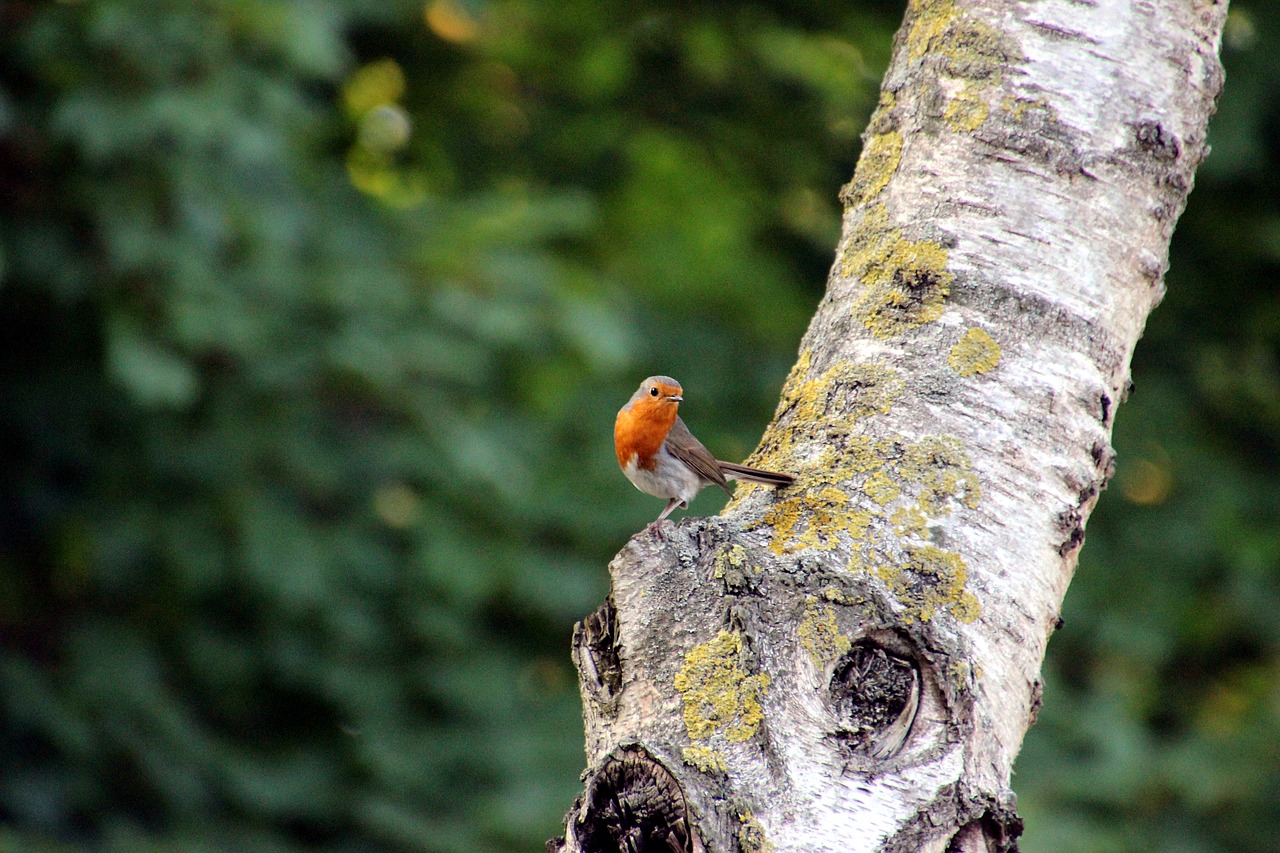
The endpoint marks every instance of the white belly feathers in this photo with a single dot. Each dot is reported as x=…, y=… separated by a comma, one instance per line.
x=670, y=478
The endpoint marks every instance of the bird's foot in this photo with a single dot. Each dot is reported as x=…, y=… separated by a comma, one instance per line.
x=658, y=529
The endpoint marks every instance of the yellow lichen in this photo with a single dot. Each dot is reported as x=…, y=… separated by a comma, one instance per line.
x=1020, y=109
x=872, y=387
x=751, y=838
x=818, y=436
x=963, y=48
x=822, y=514
x=879, y=160
x=815, y=438
x=821, y=636
x=848, y=389
x=960, y=674
x=967, y=47
x=719, y=695
x=975, y=50
x=704, y=758
x=799, y=372
x=735, y=569
x=967, y=111
x=861, y=454
x=909, y=520
x=822, y=412
x=976, y=352
x=880, y=488
x=904, y=282
x=933, y=475
x=931, y=580
x=883, y=119
x=941, y=466
x=929, y=19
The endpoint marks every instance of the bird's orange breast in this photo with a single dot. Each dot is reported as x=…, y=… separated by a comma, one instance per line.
x=640, y=430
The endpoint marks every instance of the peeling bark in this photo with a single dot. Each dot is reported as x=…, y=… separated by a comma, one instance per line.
x=851, y=663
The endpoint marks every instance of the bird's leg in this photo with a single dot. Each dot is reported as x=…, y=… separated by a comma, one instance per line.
x=671, y=505
x=656, y=524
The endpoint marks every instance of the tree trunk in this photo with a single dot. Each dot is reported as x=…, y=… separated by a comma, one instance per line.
x=850, y=664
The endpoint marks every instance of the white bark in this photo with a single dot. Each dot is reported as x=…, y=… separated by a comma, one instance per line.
x=851, y=664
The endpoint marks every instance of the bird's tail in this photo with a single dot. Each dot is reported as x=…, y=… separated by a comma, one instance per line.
x=755, y=475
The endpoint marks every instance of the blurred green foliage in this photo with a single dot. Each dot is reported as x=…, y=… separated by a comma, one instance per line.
x=313, y=322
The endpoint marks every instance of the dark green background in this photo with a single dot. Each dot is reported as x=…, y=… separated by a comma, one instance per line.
x=314, y=318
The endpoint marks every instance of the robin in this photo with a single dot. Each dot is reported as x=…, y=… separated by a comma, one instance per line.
x=662, y=458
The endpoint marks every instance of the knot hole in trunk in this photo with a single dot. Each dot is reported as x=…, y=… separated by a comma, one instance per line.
x=632, y=804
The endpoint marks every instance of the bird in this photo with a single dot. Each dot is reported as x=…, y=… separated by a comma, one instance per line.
x=662, y=458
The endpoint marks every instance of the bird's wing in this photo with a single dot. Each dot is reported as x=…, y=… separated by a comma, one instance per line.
x=690, y=451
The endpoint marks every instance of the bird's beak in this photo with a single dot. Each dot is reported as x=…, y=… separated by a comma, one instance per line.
x=676, y=398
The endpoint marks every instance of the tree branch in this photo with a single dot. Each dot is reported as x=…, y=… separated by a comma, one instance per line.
x=852, y=663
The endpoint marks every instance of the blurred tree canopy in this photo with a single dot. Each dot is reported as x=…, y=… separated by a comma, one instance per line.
x=313, y=321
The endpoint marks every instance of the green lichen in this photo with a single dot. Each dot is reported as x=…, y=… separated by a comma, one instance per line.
x=820, y=635
x=976, y=352
x=931, y=580
x=967, y=111
x=751, y=838
x=730, y=559
x=719, y=695
x=704, y=758
x=881, y=488
x=904, y=282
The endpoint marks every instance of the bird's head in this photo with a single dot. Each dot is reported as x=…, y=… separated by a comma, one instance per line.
x=658, y=392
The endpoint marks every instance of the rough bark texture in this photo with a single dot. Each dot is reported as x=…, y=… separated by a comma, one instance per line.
x=851, y=663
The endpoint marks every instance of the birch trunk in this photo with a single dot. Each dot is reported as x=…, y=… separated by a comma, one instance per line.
x=851, y=664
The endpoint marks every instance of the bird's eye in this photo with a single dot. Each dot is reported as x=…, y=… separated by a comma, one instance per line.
x=653, y=392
